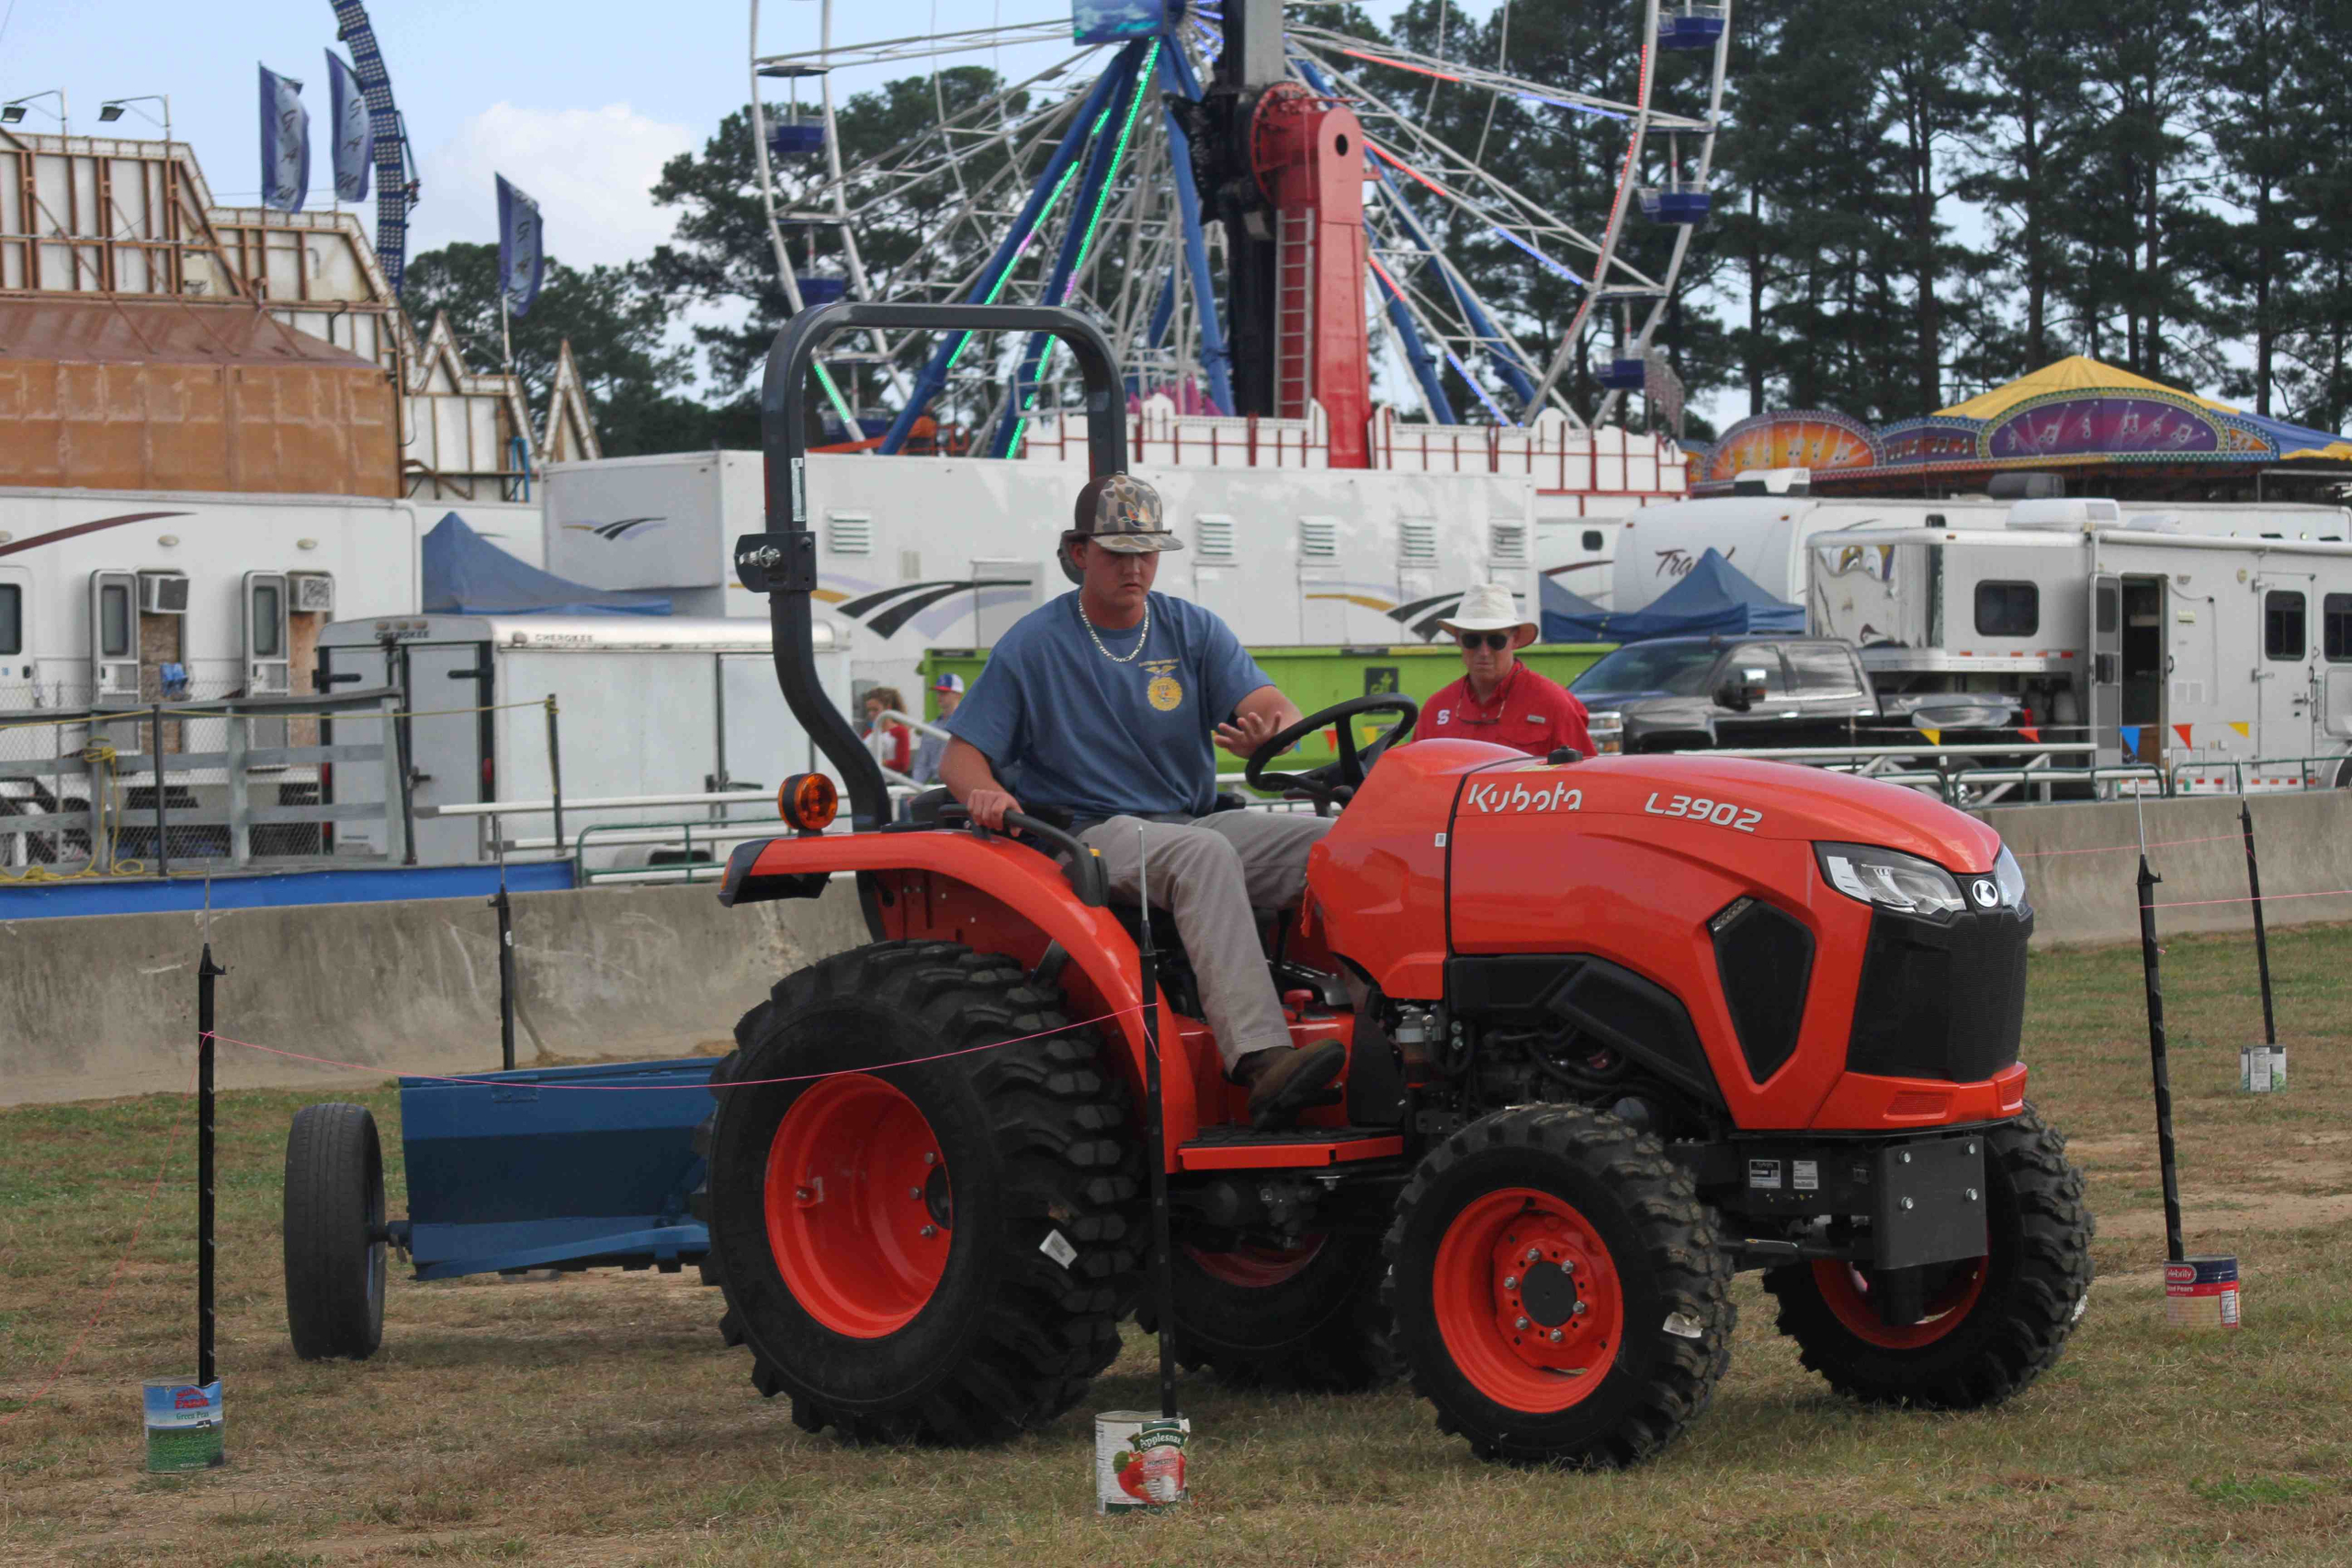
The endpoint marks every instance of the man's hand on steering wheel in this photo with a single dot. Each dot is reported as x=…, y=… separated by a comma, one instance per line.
x=1247, y=733
x=1337, y=779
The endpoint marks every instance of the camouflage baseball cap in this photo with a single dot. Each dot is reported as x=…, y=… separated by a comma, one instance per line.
x=1121, y=512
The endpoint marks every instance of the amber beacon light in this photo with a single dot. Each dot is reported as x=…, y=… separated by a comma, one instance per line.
x=808, y=801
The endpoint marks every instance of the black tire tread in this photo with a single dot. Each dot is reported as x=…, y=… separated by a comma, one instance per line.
x=1351, y=1348
x=1062, y=1127
x=332, y=1150
x=1683, y=1246
x=2007, y=1354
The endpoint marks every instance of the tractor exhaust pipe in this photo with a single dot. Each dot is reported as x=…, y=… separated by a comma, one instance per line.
x=781, y=562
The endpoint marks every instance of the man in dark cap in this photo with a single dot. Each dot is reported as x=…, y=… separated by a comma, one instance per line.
x=1104, y=704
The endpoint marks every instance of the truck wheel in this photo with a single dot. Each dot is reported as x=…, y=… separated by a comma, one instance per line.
x=1994, y=1324
x=1302, y=1317
x=927, y=1236
x=334, y=1229
x=1560, y=1293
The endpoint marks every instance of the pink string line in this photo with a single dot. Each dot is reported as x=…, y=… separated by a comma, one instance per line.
x=696, y=1088
x=2265, y=899
x=2119, y=848
x=99, y=1313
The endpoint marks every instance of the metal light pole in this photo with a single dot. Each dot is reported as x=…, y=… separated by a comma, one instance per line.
x=111, y=110
x=13, y=111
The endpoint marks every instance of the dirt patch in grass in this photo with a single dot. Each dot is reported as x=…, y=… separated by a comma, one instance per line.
x=597, y=1419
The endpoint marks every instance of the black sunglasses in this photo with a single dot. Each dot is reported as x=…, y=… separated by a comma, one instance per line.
x=1498, y=641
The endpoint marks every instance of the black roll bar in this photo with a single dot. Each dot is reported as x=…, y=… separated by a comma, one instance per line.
x=781, y=562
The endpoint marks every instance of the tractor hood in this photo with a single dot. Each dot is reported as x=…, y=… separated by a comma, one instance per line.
x=1670, y=794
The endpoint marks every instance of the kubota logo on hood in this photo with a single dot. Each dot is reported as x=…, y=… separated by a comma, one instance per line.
x=624, y=527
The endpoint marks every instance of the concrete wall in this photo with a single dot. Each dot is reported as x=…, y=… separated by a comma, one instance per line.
x=2081, y=862
x=106, y=1005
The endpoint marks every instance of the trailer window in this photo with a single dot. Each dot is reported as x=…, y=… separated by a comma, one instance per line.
x=114, y=621
x=2282, y=623
x=2335, y=628
x=2007, y=609
x=1592, y=539
x=11, y=618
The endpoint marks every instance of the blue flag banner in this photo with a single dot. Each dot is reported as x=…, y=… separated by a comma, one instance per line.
x=355, y=131
x=521, y=260
x=285, y=142
x=2131, y=733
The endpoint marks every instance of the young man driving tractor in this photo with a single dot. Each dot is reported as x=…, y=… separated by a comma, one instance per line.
x=1102, y=705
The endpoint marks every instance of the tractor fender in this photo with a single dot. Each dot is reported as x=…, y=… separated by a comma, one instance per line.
x=992, y=895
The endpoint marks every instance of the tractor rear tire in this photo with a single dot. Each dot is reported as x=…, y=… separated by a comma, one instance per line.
x=335, y=1225
x=1993, y=1326
x=1309, y=1319
x=1549, y=1221
x=929, y=1235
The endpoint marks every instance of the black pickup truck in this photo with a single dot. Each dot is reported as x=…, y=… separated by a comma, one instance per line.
x=1682, y=693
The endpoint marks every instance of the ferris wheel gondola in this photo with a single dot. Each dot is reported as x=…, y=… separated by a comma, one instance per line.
x=1131, y=176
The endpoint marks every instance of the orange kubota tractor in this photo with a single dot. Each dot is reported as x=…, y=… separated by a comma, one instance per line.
x=1629, y=1024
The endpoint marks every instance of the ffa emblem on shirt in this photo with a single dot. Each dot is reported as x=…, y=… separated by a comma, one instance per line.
x=1166, y=692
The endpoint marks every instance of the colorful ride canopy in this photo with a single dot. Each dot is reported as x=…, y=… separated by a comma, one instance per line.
x=2077, y=414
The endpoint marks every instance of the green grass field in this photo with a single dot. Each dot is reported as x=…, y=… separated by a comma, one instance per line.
x=597, y=1419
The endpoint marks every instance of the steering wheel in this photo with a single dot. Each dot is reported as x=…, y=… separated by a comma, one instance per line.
x=1339, y=779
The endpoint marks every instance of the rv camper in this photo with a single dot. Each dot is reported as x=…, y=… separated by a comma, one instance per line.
x=645, y=704
x=2204, y=654
x=1770, y=537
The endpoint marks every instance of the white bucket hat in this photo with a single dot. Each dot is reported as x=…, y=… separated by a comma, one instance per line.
x=1489, y=607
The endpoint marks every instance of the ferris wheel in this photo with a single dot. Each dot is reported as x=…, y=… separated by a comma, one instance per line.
x=1213, y=180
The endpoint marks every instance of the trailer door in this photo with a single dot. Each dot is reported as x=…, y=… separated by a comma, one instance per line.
x=2284, y=686
x=447, y=689
x=16, y=667
x=269, y=663
x=2336, y=679
x=2106, y=673
x=114, y=634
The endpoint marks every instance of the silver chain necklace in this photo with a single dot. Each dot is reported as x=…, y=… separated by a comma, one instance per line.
x=1105, y=652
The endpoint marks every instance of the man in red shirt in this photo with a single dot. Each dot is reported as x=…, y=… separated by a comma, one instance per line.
x=1497, y=698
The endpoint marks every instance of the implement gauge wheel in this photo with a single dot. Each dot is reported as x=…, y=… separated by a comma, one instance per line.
x=932, y=1242
x=1307, y=1316
x=1993, y=1324
x=334, y=1231
x=1560, y=1293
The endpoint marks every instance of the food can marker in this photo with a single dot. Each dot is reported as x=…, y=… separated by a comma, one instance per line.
x=1139, y=1460
x=184, y=1425
x=2262, y=1069
x=2202, y=1293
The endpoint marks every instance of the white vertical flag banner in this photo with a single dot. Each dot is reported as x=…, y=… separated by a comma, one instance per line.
x=285, y=142
x=355, y=132
x=521, y=260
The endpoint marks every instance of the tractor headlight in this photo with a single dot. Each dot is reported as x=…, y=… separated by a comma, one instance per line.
x=1904, y=883
x=1607, y=729
x=2010, y=877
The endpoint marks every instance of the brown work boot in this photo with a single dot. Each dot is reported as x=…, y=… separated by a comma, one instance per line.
x=1284, y=1081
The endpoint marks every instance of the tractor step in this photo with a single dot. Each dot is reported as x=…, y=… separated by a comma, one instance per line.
x=1241, y=1148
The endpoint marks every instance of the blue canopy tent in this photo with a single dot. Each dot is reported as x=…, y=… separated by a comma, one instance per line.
x=1556, y=604
x=1715, y=598
x=465, y=574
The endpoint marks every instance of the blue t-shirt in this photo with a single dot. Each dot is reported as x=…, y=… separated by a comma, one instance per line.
x=1065, y=727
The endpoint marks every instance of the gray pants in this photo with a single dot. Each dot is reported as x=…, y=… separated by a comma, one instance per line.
x=1211, y=873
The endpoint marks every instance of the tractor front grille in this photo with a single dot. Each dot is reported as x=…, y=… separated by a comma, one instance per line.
x=1764, y=957
x=1940, y=1000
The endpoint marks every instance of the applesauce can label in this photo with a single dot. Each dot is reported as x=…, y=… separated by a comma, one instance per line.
x=1139, y=1460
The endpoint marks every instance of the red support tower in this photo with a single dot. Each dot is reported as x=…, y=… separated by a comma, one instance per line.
x=1307, y=154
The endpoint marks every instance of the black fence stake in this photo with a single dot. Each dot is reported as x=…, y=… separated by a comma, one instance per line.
x=2174, y=1250
x=402, y=755
x=1163, y=1276
x=163, y=821
x=505, y=958
x=2261, y=937
x=205, y=1247
x=555, y=774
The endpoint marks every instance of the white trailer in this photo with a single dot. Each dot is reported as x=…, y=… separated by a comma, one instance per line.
x=132, y=597
x=920, y=553
x=645, y=704
x=1769, y=538
x=2200, y=653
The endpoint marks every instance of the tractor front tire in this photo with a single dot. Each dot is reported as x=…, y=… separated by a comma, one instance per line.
x=927, y=1234
x=1308, y=1317
x=1993, y=1324
x=334, y=1230
x=1560, y=1293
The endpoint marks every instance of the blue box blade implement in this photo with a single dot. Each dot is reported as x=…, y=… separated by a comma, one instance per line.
x=530, y=1169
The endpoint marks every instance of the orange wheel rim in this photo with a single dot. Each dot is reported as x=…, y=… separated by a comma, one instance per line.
x=1846, y=1290
x=1528, y=1299
x=860, y=1213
